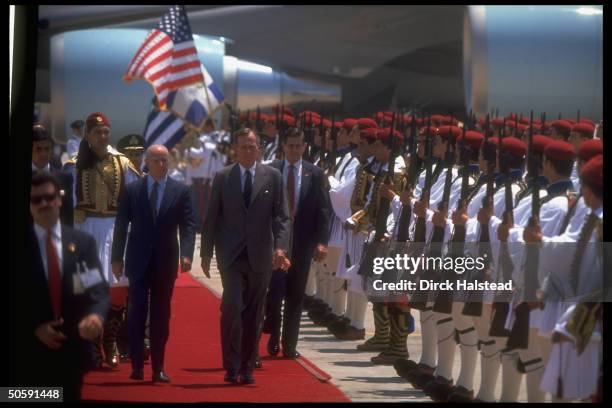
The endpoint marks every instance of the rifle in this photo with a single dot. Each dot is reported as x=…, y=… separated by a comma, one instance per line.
x=419, y=299
x=501, y=307
x=413, y=173
x=372, y=249
x=519, y=334
x=258, y=120
x=322, y=149
x=473, y=307
x=443, y=303
x=334, y=148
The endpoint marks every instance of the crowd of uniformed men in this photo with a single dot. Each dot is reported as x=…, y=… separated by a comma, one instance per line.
x=457, y=188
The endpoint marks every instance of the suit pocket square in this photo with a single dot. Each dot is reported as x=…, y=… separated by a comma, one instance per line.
x=266, y=192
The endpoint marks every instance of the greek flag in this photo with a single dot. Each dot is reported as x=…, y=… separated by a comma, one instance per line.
x=163, y=127
x=195, y=103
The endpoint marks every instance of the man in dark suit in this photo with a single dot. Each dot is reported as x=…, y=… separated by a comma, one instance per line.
x=64, y=298
x=42, y=148
x=247, y=223
x=310, y=210
x=156, y=206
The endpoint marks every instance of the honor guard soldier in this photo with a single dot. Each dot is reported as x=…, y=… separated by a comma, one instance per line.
x=353, y=193
x=100, y=175
x=132, y=146
x=572, y=370
x=72, y=145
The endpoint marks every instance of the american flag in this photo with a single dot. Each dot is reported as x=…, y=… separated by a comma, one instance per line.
x=167, y=58
x=163, y=127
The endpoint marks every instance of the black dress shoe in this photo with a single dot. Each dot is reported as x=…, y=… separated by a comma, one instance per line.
x=161, y=377
x=137, y=375
x=231, y=377
x=247, y=378
x=258, y=363
x=273, y=348
x=291, y=353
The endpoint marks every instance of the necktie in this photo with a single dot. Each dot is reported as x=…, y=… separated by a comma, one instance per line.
x=583, y=238
x=246, y=193
x=54, y=277
x=291, y=189
x=153, y=200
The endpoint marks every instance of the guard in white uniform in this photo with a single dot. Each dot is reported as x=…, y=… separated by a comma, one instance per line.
x=100, y=175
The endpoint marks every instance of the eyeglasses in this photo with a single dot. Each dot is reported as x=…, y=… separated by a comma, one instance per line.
x=36, y=199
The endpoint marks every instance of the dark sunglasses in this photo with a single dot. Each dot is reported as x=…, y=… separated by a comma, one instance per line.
x=36, y=199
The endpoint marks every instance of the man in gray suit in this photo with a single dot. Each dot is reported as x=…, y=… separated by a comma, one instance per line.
x=247, y=222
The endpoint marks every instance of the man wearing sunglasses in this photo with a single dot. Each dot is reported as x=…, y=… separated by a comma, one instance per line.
x=63, y=296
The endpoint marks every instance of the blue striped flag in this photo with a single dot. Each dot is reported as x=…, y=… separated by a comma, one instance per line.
x=163, y=128
x=196, y=102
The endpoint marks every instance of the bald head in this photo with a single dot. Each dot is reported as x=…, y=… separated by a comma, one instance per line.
x=156, y=159
x=157, y=150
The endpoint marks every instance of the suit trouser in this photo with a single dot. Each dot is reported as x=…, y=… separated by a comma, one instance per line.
x=289, y=286
x=242, y=304
x=158, y=287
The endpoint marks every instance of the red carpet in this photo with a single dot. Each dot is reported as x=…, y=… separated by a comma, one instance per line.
x=193, y=362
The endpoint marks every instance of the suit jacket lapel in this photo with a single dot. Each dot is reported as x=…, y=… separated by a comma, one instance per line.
x=144, y=199
x=167, y=198
x=260, y=178
x=236, y=181
x=306, y=177
x=68, y=260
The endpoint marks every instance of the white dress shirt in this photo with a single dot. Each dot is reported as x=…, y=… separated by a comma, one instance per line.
x=56, y=237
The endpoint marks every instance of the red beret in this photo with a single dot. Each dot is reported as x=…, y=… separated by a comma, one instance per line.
x=472, y=138
x=514, y=146
x=384, y=134
x=562, y=125
x=289, y=120
x=267, y=118
x=96, y=119
x=587, y=120
x=308, y=113
x=338, y=124
x=286, y=110
x=572, y=121
x=445, y=131
x=589, y=149
x=540, y=142
x=438, y=118
x=379, y=116
x=585, y=129
x=592, y=172
x=493, y=141
x=510, y=124
x=497, y=122
x=369, y=133
x=524, y=121
x=327, y=123
x=512, y=116
x=365, y=123
x=559, y=150
x=315, y=120
x=349, y=123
